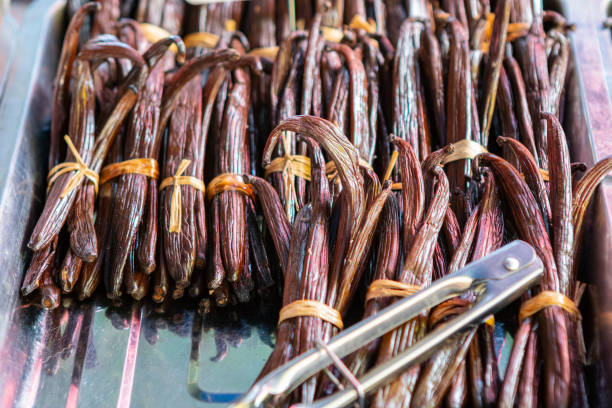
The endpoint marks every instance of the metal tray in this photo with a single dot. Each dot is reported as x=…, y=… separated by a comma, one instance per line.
x=8, y=27
x=96, y=355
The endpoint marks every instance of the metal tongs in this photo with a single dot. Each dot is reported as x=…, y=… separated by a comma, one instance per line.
x=497, y=279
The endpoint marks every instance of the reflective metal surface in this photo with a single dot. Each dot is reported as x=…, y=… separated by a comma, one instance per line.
x=96, y=355
x=8, y=28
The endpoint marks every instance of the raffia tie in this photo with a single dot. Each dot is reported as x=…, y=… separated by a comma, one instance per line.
x=390, y=167
x=462, y=150
x=334, y=34
x=207, y=40
x=544, y=173
x=515, y=31
x=176, y=182
x=311, y=308
x=154, y=33
x=144, y=167
x=448, y=309
x=453, y=307
x=386, y=287
x=358, y=22
x=546, y=299
x=267, y=52
x=78, y=166
x=228, y=182
x=290, y=166
x=201, y=39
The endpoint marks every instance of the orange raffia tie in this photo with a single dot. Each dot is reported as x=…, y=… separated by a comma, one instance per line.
x=311, y=308
x=268, y=52
x=201, y=39
x=154, y=33
x=385, y=288
x=462, y=150
x=545, y=299
x=144, y=167
x=358, y=22
x=176, y=182
x=450, y=308
x=228, y=182
x=79, y=166
x=230, y=25
x=544, y=173
x=515, y=31
x=332, y=34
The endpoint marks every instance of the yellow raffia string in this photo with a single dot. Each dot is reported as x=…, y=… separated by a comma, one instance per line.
x=464, y=149
x=311, y=308
x=517, y=30
x=489, y=27
x=268, y=52
x=546, y=299
x=391, y=165
x=201, y=39
x=450, y=308
x=153, y=33
x=230, y=25
x=144, y=167
x=228, y=182
x=79, y=166
x=544, y=173
x=358, y=22
x=290, y=168
x=176, y=182
x=332, y=34
x=385, y=288
x=292, y=165
x=514, y=32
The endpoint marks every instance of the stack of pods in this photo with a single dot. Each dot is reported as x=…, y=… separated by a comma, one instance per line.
x=332, y=157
